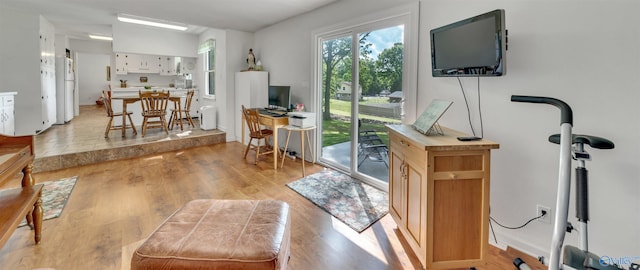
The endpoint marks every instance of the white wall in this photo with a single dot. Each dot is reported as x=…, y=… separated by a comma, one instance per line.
x=583, y=52
x=91, y=71
x=20, y=66
x=224, y=121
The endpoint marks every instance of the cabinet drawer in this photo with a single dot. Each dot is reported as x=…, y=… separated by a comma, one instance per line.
x=409, y=149
x=458, y=162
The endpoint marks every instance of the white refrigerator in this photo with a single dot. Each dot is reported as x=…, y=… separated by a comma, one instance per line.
x=65, y=90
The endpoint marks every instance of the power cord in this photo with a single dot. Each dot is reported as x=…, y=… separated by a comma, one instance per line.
x=544, y=213
x=464, y=95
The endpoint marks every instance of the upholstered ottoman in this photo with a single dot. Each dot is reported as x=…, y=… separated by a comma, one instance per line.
x=219, y=234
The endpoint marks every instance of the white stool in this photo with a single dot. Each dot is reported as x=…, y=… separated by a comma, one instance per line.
x=302, y=131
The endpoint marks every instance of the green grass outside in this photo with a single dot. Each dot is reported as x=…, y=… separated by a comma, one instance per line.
x=338, y=131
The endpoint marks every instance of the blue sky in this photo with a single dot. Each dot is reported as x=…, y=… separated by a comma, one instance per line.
x=385, y=38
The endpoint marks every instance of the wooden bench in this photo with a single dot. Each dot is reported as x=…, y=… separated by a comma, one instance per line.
x=17, y=155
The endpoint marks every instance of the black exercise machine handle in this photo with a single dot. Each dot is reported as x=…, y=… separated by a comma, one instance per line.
x=566, y=114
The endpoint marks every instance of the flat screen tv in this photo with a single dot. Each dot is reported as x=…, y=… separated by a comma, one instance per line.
x=471, y=47
x=279, y=97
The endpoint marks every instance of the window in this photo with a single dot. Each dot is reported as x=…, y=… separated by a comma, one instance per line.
x=210, y=73
x=208, y=49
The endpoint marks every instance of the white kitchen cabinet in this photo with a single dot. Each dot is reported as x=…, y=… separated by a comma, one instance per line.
x=142, y=63
x=168, y=65
x=252, y=91
x=7, y=113
x=137, y=63
x=122, y=63
x=26, y=76
x=47, y=75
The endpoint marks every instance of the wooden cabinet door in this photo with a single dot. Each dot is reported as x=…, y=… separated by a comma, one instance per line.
x=415, y=206
x=396, y=188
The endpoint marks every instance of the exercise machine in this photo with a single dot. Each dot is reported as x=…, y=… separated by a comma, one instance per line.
x=572, y=257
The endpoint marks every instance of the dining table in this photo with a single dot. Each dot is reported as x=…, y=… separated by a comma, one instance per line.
x=132, y=99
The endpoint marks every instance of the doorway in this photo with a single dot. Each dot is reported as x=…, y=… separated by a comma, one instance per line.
x=362, y=73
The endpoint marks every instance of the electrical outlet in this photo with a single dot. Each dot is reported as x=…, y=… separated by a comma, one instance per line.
x=547, y=217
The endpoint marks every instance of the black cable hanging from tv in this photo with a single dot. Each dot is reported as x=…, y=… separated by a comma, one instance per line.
x=469, y=110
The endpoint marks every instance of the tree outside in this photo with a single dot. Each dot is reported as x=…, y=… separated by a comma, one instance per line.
x=377, y=73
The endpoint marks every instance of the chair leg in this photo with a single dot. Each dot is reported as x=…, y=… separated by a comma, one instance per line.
x=171, y=122
x=144, y=126
x=135, y=132
x=189, y=119
x=106, y=132
x=257, y=153
x=246, y=151
x=164, y=125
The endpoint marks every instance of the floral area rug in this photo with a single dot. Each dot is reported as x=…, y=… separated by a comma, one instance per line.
x=54, y=197
x=351, y=201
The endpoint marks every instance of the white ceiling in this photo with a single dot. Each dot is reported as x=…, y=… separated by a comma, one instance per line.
x=78, y=18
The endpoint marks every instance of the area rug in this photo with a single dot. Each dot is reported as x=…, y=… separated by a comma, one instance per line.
x=54, y=197
x=353, y=202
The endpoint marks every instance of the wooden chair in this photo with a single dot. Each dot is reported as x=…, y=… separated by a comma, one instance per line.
x=154, y=105
x=176, y=113
x=256, y=132
x=106, y=97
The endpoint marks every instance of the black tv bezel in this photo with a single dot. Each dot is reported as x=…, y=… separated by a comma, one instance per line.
x=499, y=22
x=279, y=88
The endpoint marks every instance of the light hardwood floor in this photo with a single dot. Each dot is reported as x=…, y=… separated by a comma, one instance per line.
x=116, y=204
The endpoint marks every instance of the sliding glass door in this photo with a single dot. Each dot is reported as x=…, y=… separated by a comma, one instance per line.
x=361, y=77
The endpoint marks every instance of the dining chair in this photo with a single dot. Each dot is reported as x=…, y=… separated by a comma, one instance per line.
x=256, y=131
x=106, y=98
x=177, y=113
x=154, y=105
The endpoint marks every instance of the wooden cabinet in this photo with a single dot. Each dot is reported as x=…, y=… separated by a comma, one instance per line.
x=7, y=113
x=439, y=195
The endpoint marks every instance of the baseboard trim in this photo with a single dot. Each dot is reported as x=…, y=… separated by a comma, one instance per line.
x=519, y=244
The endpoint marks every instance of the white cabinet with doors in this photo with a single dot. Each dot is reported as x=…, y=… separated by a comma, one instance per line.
x=168, y=65
x=137, y=63
x=7, y=113
x=122, y=63
x=47, y=75
x=252, y=91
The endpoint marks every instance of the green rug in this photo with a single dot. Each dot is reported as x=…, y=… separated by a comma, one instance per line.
x=351, y=201
x=54, y=197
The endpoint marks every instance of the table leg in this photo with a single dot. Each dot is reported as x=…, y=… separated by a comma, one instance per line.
x=313, y=157
x=124, y=118
x=286, y=145
x=37, y=218
x=302, y=146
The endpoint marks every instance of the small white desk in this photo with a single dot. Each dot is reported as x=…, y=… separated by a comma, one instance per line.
x=303, y=131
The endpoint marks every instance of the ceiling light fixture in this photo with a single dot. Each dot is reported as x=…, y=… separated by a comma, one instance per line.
x=150, y=22
x=100, y=37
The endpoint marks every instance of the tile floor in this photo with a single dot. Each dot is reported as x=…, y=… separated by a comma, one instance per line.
x=82, y=140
